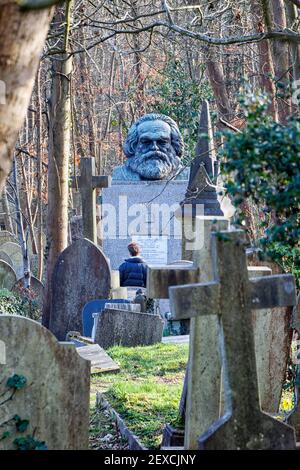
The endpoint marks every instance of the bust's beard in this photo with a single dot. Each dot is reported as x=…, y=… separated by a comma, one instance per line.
x=154, y=165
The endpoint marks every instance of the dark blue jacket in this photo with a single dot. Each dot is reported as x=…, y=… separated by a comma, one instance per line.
x=133, y=272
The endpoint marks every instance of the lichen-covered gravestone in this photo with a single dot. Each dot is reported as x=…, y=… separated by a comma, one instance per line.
x=81, y=274
x=8, y=276
x=14, y=251
x=44, y=389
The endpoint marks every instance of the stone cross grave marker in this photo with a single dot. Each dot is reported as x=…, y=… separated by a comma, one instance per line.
x=81, y=274
x=232, y=297
x=52, y=401
x=87, y=182
x=8, y=276
x=205, y=376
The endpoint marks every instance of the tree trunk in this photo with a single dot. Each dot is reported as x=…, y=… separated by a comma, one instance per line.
x=281, y=59
x=292, y=14
x=217, y=81
x=59, y=153
x=39, y=176
x=22, y=38
x=20, y=228
x=261, y=19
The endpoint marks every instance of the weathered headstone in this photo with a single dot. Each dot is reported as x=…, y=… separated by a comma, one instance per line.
x=34, y=294
x=52, y=400
x=81, y=274
x=5, y=257
x=14, y=251
x=8, y=276
x=272, y=338
x=128, y=328
x=6, y=236
x=87, y=182
x=276, y=323
x=231, y=296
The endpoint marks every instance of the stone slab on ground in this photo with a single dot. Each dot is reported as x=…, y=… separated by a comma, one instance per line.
x=100, y=360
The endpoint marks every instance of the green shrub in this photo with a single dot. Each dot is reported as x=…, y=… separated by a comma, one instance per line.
x=14, y=304
x=262, y=164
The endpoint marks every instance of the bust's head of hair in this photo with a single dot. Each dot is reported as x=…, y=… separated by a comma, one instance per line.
x=154, y=147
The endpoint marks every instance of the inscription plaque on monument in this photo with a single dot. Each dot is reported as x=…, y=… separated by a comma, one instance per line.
x=154, y=249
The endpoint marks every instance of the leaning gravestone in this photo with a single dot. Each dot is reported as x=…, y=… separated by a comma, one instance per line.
x=8, y=276
x=81, y=274
x=127, y=328
x=14, y=251
x=44, y=388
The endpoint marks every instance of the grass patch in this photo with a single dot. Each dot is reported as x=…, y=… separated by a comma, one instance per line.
x=147, y=391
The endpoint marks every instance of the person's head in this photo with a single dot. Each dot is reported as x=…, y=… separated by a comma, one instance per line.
x=134, y=249
x=154, y=147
